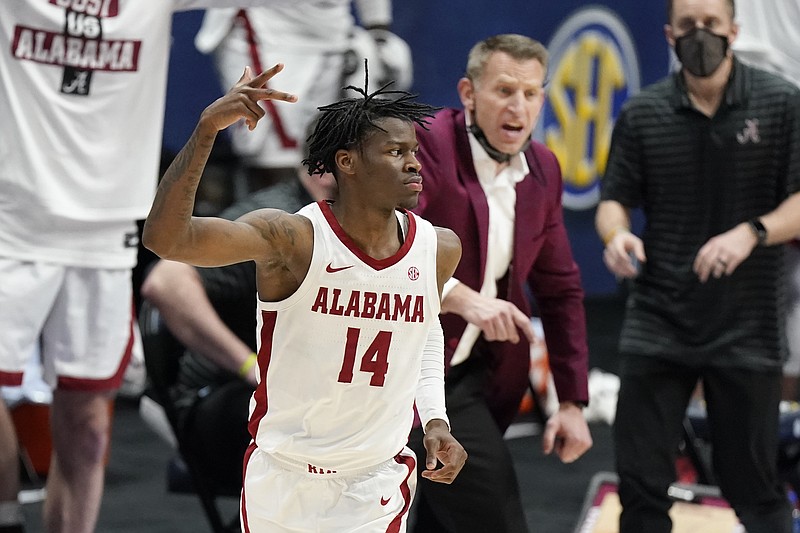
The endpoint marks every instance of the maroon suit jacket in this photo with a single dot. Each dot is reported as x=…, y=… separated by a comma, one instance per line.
x=452, y=197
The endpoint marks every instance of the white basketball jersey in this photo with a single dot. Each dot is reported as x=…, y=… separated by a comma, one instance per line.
x=339, y=360
x=82, y=94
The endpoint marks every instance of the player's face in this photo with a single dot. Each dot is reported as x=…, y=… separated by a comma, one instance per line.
x=391, y=168
x=506, y=100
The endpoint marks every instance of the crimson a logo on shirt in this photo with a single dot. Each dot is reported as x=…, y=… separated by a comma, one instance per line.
x=80, y=48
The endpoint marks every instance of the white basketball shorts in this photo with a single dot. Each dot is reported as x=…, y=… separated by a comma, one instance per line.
x=280, y=496
x=83, y=318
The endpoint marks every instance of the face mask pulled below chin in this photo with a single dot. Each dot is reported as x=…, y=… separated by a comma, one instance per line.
x=700, y=51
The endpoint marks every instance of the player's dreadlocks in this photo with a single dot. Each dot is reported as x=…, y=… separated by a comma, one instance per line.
x=346, y=123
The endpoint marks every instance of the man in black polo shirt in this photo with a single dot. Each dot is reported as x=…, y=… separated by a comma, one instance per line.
x=712, y=156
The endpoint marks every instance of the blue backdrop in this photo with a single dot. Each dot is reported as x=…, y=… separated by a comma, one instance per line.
x=601, y=52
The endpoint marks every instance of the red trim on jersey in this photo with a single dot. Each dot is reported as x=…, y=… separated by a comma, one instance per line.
x=252, y=40
x=250, y=449
x=377, y=264
x=14, y=379
x=405, y=490
x=268, y=321
x=10, y=379
x=261, y=395
x=96, y=385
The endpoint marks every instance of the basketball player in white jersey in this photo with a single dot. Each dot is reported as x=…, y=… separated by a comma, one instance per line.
x=349, y=296
x=82, y=96
x=319, y=45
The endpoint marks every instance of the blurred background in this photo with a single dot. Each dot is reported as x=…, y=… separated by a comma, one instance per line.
x=600, y=53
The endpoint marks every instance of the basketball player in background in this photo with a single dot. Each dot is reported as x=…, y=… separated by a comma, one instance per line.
x=323, y=47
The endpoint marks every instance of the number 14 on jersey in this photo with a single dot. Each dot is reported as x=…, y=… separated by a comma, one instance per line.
x=375, y=360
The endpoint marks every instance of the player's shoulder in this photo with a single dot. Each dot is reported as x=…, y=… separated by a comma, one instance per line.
x=448, y=251
x=277, y=224
x=447, y=239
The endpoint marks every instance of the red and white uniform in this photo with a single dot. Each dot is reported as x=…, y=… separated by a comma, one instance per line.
x=82, y=93
x=339, y=365
x=341, y=362
x=311, y=43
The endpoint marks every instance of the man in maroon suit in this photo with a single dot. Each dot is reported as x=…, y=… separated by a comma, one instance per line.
x=501, y=193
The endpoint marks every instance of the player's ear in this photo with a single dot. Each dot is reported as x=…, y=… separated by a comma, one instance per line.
x=345, y=161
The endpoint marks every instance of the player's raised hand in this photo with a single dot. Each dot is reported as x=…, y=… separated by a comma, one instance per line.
x=241, y=101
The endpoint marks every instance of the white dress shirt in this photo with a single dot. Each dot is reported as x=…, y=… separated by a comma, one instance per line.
x=499, y=185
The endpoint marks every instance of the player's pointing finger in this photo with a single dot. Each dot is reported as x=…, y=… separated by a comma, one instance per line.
x=265, y=76
x=247, y=76
x=272, y=94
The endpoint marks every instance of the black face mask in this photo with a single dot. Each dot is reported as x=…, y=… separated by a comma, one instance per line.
x=701, y=51
x=494, y=153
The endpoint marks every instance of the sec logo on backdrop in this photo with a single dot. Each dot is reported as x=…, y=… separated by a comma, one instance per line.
x=593, y=69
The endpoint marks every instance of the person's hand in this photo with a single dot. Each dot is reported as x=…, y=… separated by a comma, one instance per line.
x=442, y=447
x=567, y=433
x=723, y=253
x=241, y=101
x=622, y=253
x=498, y=319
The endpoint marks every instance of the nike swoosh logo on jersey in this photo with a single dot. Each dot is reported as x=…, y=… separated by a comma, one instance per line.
x=384, y=501
x=330, y=268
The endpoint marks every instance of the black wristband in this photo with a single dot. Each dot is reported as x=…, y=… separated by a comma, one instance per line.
x=758, y=230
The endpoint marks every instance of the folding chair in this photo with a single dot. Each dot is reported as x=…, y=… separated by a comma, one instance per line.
x=162, y=353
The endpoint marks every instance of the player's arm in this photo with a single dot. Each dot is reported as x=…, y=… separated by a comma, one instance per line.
x=440, y=445
x=430, y=388
x=170, y=229
x=448, y=255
